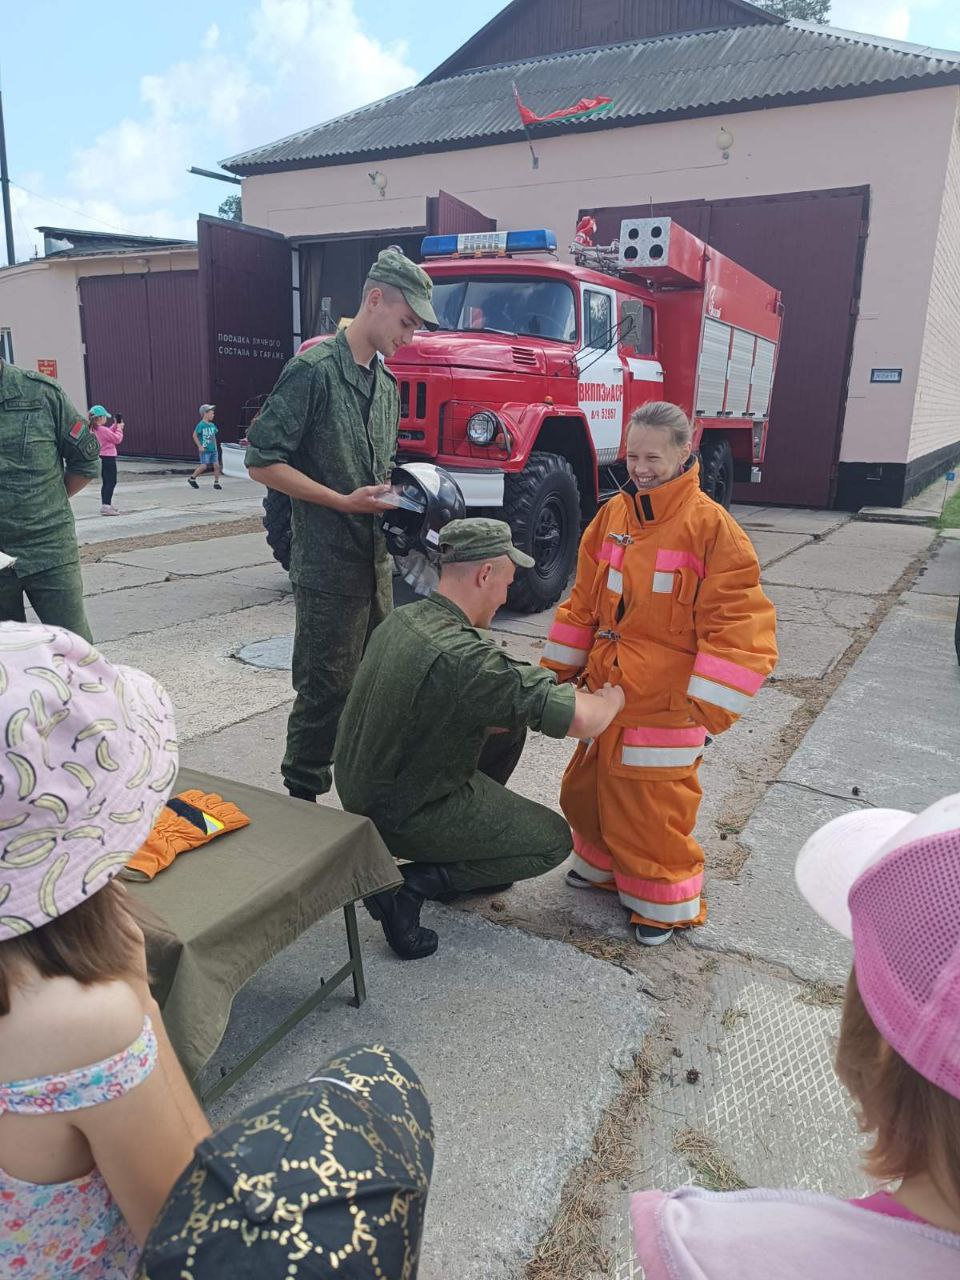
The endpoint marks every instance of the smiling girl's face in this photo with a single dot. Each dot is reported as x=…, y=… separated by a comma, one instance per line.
x=652, y=457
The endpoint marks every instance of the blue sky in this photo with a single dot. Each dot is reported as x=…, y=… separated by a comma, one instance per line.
x=105, y=111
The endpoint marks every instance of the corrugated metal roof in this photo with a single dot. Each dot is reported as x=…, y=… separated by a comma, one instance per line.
x=687, y=74
x=664, y=17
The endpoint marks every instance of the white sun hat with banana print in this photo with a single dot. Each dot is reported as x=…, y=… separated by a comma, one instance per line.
x=88, y=758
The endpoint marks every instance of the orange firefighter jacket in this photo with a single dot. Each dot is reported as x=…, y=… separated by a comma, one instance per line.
x=667, y=603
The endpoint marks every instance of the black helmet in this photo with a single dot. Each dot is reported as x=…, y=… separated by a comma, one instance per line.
x=427, y=498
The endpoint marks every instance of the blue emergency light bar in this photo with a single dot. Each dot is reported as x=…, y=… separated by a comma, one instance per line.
x=489, y=244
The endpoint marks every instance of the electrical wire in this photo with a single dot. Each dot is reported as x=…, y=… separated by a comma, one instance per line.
x=23, y=227
x=59, y=204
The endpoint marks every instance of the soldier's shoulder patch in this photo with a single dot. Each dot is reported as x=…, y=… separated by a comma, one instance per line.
x=77, y=430
x=479, y=633
x=89, y=446
x=34, y=376
x=317, y=354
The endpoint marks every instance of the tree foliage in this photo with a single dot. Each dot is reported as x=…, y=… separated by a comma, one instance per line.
x=803, y=10
x=231, y=208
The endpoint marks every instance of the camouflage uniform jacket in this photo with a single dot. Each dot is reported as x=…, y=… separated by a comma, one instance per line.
x=429, y=688
x=313, y=420
x=41, y=435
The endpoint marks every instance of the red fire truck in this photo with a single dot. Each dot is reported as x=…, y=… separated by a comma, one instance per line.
x=525, y=391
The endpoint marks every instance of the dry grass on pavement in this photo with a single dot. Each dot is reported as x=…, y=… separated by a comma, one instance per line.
x=710, y=1167
x=572, y=1246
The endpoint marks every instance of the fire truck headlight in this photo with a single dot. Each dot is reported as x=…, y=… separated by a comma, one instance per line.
x=482, y=428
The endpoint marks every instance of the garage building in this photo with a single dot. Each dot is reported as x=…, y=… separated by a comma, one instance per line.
x=825, y=161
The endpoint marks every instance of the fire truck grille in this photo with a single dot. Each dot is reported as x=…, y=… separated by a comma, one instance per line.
x=419, y=393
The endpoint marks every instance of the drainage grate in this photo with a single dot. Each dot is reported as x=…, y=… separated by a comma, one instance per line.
x=766, y=1096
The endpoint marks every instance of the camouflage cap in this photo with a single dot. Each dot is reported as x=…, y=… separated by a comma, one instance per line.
x=395, y=268
x=463, y=541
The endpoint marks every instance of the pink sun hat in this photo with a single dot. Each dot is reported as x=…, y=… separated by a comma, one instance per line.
x=890, y=881
x=88, y=758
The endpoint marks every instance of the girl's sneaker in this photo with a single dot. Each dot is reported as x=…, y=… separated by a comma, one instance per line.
x=653, y=935
x=106, y=510
x=577, y=881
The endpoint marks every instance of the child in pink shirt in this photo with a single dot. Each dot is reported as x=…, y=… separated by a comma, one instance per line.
x=890, y=881
x=108, y=437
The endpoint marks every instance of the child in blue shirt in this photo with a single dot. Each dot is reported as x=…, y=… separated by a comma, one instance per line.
x=205, y=438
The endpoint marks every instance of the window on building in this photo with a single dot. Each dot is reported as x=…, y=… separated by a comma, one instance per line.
x=598, y=319
x=6, y=345
x=636, y=327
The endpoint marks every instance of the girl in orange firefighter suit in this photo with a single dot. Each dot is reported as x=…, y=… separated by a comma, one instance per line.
x=667, y=602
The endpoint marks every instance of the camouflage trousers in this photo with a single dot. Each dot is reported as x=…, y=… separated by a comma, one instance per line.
x=483, y=833
x=331, y=634
x=55, y=594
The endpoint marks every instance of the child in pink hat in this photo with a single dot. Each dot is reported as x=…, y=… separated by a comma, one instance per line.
x=890, y=881
x=96, y=1116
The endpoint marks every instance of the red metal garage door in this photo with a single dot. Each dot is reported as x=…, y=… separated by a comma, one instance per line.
x=246, y=295
x=810, y=245
x=144, y=358
x=448, y=216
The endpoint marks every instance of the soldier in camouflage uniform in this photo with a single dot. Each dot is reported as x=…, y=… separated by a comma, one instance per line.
x=435, y=724
x=327, y=437
x=47, y=454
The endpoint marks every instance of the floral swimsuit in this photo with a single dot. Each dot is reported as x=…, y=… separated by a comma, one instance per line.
x=70, y=1229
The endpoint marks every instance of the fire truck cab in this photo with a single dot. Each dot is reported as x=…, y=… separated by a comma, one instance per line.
x=525, y=391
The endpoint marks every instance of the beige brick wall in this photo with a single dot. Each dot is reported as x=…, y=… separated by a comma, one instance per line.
x=936, y=412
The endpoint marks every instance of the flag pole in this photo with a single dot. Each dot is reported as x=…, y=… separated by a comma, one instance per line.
x=535, y=159
x=5, y=192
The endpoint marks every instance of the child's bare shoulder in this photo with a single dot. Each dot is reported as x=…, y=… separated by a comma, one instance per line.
x=58, y=1024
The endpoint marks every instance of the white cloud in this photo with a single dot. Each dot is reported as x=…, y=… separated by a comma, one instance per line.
x=32, y=208
x=285, y=65
x=874, y=16
x=897, y=20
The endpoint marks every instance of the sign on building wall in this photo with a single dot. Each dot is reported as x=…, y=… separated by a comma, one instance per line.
x=886, y=375
x=49, y=367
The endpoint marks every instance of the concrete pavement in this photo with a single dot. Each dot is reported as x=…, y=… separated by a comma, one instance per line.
x=556, y=1050
x=155, y=501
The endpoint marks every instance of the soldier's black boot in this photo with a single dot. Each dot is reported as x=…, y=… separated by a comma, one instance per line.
x=398, y=911
x=301, y=793
x=428, y=879
x=431, y=880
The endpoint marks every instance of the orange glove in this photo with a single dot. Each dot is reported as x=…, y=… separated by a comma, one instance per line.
x=191, y=819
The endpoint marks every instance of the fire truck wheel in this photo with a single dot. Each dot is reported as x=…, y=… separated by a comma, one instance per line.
x=716, y=468
x=276, y=522
x=542, y=506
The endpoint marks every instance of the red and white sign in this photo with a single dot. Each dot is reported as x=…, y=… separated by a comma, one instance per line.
x=49, y=367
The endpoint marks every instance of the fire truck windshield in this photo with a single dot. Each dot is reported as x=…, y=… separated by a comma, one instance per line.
x=534, y=308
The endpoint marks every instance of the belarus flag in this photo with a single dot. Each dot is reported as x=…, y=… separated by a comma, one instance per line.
x=582, y=110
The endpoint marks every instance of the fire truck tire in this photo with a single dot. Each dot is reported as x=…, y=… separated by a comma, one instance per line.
x=716, y=468
x=542, y=507
x=276, y=522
